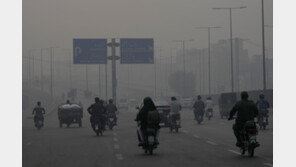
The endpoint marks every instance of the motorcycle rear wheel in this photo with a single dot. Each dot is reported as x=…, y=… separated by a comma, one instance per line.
x=251, y=152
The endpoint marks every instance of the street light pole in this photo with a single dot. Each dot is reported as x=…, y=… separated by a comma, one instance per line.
x=209, y=51
x=231, y=50
x=263, y=48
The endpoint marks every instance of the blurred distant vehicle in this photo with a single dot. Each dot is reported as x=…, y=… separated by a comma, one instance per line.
x=69, y=114
x=163, y=107
x=226, y=102
x=132, y=104
x=186, y=102
x=123, y=104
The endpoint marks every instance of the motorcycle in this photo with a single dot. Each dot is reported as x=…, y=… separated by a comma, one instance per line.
x=209, y=113
x=38, y=122
x=248, y=138
x=111, y=121
x=263, y=121
x=98, y=127
x=175, y=123
x=149, y=141
x=199, y=118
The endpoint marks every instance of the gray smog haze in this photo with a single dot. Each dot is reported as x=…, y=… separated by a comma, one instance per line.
x=54, y=23
x=57, y=22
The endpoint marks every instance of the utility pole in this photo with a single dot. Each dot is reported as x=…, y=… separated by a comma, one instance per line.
x=263, y=47
x=209, y=51
x=86, y=77
x=113, y=58
x=41, y=68
x=231, y=50
x=106, y=82
x=70, y=71
x=155, y=94
x=99, y=80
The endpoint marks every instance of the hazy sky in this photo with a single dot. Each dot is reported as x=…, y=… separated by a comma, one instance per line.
x=56, y=22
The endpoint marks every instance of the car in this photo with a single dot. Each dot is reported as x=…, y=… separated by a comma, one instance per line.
x=69, y=114
x=186, y=102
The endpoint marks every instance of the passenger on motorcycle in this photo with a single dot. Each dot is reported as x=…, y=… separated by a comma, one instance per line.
x=145, y=122
x=263, y=107
x=209, y=105
x=199, y=108
x=175, y=109
x=111, y=110
x=38, y=112
x=97, y=111
x=246, y=111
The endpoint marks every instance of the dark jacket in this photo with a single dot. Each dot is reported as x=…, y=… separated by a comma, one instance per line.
x=246, y=110
x=143, y=114
x=96, y=109
x=199, y=106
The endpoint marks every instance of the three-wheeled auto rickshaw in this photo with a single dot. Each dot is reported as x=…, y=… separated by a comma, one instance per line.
x=69, y=114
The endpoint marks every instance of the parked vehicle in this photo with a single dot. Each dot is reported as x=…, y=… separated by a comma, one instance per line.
x=226, y=102
x=69, y=114
x=248, y=136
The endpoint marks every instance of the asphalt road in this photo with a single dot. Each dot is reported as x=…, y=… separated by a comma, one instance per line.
x=210, y=144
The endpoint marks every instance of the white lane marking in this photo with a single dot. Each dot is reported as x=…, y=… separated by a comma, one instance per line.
x=196, y=136
x=116, y=146
x=115, y=139
x=235, y=152
x=212, y=143
x=267, y=164
x=114, y=134
x=185, y=131
x=119, y=156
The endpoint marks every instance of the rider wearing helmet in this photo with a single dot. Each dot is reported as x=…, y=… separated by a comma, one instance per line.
x=246, y=111
x=38, y=112
x=111, y=110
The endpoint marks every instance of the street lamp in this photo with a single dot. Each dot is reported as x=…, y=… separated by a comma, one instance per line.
x=209, y=50
x=183, y=44
x=231, y=57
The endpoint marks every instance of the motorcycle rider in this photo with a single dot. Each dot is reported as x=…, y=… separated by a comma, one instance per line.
x=263, y=107
x=111, y=110
x=246, y=111
x=142, y=116
x=97, y=111
x=175, y=109
x=38, y=112
x=199, y=108
x=209, y=105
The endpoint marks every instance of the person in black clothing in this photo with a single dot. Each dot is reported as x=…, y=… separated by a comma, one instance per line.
x=97, y=111
x=143, y=118
x=246, y=111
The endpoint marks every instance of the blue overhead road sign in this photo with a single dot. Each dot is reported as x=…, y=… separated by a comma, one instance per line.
x=136, y=51
x=90, y=51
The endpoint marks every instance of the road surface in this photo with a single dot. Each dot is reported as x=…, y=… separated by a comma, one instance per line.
x=210, y=144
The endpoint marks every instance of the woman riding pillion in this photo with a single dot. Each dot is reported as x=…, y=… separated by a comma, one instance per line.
x=148, y=117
